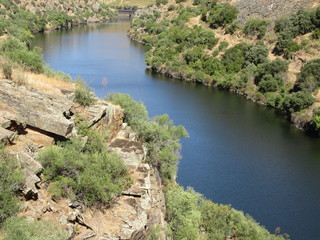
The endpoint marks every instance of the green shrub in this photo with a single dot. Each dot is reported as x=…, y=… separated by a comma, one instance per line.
x=213, y=66
x=83, y=94
x=223, y=45
x=163, y=2
x=87, y=173
x=293, y=47
x=11, y=179
x=16, y=228
x=234, y=58
x=232, y=28
x=255, y=27
x=7, y=69
x=273, y=67
x=135, y=112
x=269, y=83
x=159, y=134
x=309, y=76
x=220, y=15
x=183, y=214
x=315, y=121
x=171, y=7
x=316, y=34
x=18, y=52
x=196, y=2
x=192, y=217
x=257, y=54
x=297, y=101
x=193, y=55
x=287, y=28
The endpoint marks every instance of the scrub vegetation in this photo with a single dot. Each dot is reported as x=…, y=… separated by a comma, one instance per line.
x=86, y=172
x=159, y=134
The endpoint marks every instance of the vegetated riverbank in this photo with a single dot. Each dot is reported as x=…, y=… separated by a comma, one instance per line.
x=276, y=67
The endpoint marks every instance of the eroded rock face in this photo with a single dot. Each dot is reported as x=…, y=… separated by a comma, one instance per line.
x=31, y=169
x=39, y=110
x=101, y=114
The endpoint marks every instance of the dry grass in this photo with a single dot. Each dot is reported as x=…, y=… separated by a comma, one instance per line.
x=40, y=81
x=46, y=84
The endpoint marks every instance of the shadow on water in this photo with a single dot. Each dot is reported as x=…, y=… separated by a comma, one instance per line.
x=238, y=153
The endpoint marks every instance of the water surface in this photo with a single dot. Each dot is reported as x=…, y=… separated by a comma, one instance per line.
x=238, y=153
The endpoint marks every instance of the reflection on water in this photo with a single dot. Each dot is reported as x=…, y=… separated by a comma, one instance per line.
x=238, y=153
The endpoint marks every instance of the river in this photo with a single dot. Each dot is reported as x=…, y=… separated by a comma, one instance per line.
x=238, y=153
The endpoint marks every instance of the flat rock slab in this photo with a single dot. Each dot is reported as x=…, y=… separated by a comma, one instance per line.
x=37, y=109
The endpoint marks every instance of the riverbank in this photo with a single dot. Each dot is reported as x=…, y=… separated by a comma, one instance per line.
x=182, y=45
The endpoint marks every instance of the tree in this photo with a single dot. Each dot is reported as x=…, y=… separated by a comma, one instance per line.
x=234, y=58
x=257, y=54
x=220, y=15
x=269, y=83
x=309, y=76
x=297, y=101
x=255, y=27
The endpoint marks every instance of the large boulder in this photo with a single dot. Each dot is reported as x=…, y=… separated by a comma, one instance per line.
x=37, y=109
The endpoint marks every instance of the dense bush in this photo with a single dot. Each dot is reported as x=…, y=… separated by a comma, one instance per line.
x=58, y=19
x=83, y=94
x=316, y=34
x=257, y=54
x=16, y=228
x=192, y=217
x=220, y=15
x=287, y=28
x=255, y=28
x=213, y=66
x=11, y=179
x=89, y=173
x=273, y=67
x=161, y=137
x=297, y=101
x=135, y=112
x=194, y=54
x=269, y=83
x=234, y=58
x=7, y=69
x=159, y=2
x=309, y=76
x=18, y=52
x=315, y=121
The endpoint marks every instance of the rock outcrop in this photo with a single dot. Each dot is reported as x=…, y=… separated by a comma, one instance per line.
x=133, y=214
x=36, y=109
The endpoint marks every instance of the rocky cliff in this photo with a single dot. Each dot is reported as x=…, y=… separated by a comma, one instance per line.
x=31, y=120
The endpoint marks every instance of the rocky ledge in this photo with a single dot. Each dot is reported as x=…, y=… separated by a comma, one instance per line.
x=32, y=120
